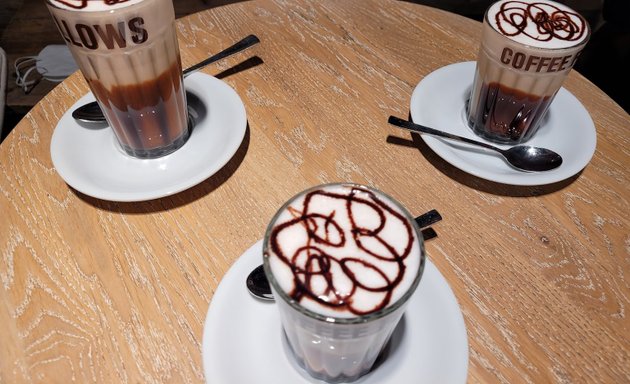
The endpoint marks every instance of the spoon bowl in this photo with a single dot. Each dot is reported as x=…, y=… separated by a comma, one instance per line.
x=89, y=113
x=533, y=159
x=258, y=285
x=522, y=157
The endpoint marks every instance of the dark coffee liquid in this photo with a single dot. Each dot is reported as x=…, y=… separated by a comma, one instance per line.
x=311, y=262
x=148, y=115
x=505, y=115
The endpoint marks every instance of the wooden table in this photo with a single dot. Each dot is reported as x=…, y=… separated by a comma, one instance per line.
x=98, y=291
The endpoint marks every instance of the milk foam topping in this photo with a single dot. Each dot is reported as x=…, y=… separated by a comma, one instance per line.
x=92, y=5
x=344, y=251
x=542, y=24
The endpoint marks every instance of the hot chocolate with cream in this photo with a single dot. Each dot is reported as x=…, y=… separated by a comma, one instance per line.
x=343, y=261
x=527, y=50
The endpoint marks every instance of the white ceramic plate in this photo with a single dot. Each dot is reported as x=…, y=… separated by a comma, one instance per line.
x=91, y=161
x=438, y=101
x=243, y=343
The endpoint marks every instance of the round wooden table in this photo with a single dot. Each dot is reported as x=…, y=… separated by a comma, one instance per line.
x=100, y=291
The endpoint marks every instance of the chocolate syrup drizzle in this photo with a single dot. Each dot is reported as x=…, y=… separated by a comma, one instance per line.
x=84, y=3
x=558, y=24
x=325, y=231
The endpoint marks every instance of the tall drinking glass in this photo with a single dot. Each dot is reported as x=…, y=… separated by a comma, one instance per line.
x=527, y=50
x=342, y=261
x=127, y=51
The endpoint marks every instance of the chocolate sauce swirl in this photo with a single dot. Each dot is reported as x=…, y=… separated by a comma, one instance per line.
x=326, y=260
x=550, y=21
x=82, y=4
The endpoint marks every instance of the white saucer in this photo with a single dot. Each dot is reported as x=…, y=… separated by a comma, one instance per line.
x=91, y=161
x=242, y=339
x=438, y=101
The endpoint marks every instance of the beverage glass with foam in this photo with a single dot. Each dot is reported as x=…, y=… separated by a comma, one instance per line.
x=128, y=53
x=527, y=50
x=342, y=261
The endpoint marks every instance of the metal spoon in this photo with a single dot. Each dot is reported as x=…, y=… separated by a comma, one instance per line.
x=257, y=282
x=521, y=157
x=91, y=112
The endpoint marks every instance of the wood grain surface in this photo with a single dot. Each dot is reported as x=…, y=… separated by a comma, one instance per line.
x=98, y=291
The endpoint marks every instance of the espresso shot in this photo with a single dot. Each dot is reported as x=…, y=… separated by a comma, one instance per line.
x=129, y=55
x=527, y=50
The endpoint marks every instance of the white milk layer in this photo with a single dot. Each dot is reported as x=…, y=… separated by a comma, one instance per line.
x=92, y=5
x=362, y=269
x=521, y=21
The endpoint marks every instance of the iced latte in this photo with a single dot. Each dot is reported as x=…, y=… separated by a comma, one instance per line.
x=127, y=51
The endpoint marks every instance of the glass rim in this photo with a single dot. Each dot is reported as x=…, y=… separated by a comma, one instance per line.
x=579, y=45
x=108, y=11
x=359, y=319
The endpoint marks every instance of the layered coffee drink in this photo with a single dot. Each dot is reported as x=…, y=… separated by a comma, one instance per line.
x=342, y=261
x=128, y=53
x=527, y=50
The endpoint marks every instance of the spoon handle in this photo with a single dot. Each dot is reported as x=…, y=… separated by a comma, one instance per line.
x=428, y=218
x=421, y=128
x=237, y=47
